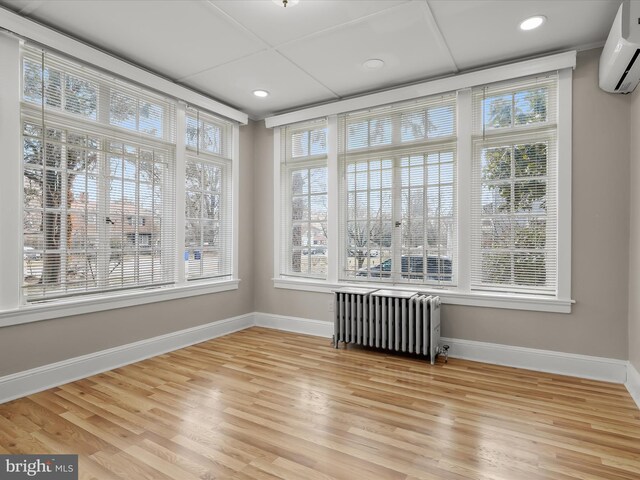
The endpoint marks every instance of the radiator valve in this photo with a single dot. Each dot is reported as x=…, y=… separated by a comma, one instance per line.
x=444, y=350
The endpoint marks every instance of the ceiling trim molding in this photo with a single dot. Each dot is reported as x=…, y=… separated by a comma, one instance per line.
x=38, y=33
x=433, y=87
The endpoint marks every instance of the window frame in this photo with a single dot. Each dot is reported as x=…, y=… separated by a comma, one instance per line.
x=13, y=310
x=395, y=150
x=226, y=215
x=307, y=165
x=100, y=124
x=288, y=162
x=497, y=141
x=462, y=294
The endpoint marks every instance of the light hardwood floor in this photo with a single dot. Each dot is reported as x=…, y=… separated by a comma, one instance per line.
x=263, y=404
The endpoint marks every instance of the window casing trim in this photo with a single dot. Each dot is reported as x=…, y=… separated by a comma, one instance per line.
x=98, y=303
x=448, y=296
x=559, y=61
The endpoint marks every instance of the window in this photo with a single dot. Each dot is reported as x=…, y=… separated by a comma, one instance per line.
x=58, y=86
x=131, y=112
x=94, y=185
x=398, y=201
x=98, y=192
x=514, y=212
x=208, y=217
x=304, y=200
x=465, y=194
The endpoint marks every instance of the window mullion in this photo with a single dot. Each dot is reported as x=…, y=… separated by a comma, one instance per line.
x=396, y=245
x=463, y=192
x=201, y=218
x=181, y=126
x=104, y=102
x=334, y=249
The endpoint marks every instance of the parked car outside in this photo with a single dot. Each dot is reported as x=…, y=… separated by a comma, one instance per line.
x=30, y=254
x=438, y=268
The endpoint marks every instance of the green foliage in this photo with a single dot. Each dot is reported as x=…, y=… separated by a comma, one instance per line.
x=519, y=108
x=517, y=173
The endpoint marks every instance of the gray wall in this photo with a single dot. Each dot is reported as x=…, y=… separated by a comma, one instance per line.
x=634, y=239
x=34, y=344
x=598, y=323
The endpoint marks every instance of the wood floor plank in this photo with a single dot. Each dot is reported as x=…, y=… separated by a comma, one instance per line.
x=262, y=404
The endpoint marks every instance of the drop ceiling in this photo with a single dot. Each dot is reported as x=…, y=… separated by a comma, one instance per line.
x=313, y=52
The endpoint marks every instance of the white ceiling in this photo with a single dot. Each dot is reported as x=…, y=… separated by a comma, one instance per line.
x=313, y=52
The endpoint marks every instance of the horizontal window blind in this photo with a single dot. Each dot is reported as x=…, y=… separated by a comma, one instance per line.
x=514, y=186
x=66, y=89
x=397, y=192
x=208, y=190
x=304, y=199
x=98, y=175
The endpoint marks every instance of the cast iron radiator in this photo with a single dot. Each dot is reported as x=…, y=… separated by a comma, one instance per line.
x=402, y=321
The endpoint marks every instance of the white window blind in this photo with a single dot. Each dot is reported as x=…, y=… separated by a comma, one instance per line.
x=98, y=174
x=397, y=192
x=304, y=199
x=514, y=186
x=208, y=201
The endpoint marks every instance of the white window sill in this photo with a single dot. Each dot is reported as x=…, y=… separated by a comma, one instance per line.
x=89, y=304
x=450, y=297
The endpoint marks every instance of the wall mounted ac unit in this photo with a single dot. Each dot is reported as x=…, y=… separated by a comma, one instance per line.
x=620, y=61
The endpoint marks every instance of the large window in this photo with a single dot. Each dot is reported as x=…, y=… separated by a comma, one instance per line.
x=99, y=180
x=514, y=211
x=208, y=219
x=397, y=201
x=98, y=167
x=304, y=250
x=461, y=193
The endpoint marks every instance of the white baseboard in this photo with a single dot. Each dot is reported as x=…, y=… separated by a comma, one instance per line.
x=633, y=383
x=307, y=326
x=583, y=366
x=41, y=378
x=48, y=376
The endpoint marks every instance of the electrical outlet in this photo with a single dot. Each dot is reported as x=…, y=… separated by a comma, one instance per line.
x=331, y=305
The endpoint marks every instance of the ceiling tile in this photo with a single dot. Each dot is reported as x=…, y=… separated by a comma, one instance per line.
x=225, y=48
x=277, y=25
x=402, y=37
x=175, y=38
x=484, y=32
x=234, y=83
x=23, y=7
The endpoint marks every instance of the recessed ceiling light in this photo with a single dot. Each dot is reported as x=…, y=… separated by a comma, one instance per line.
x=286, y=3
x=261, y=93
x=373, y=64
x=532, y=22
